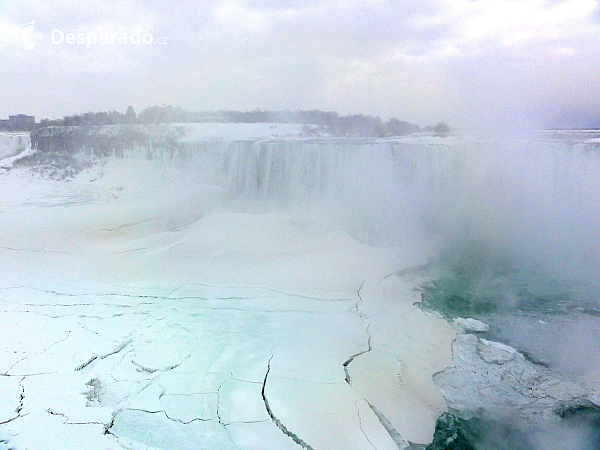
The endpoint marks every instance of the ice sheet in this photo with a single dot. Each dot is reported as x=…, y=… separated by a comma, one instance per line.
x=132, y=322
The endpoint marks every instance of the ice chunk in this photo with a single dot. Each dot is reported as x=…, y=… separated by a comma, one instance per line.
x=470, y=324
x=495, y=352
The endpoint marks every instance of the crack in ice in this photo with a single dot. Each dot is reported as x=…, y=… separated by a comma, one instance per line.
x=116, y=350
x=396, y=437
x=20, y=407
x=275, y=420
x=360, y=426
x=369, y=347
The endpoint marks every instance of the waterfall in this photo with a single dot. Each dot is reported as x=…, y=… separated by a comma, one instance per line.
x=12, y=144
x=519, y=195
x=368, y=186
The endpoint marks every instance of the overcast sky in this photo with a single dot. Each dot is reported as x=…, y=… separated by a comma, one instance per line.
x=465, y=62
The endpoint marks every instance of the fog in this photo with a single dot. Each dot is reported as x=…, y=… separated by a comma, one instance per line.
x=515, y=219
x=533, y=203
x=505, y=214
x=516, y=215
x=511, y=222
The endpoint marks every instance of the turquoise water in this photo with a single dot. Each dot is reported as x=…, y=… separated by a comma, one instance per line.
x=477, y=286
x=454, y=433
x=533, y=312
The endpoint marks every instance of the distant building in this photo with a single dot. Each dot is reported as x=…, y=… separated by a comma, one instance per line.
x=21, y=119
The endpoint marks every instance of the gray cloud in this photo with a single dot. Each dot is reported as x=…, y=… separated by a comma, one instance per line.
x=455, y=60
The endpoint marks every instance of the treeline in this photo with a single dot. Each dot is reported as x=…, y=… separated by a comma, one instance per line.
x=6, y=125
x=94, y=118
x=357, y=125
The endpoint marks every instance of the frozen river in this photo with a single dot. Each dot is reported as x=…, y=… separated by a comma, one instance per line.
x=132, y=319
x=244, y=289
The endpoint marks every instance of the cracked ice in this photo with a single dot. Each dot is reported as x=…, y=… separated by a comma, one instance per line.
x=226, y=330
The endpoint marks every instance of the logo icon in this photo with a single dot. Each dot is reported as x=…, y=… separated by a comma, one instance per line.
x=26, y=32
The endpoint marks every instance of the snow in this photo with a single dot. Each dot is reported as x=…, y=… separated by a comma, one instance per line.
x=139, y=312
x=496, y=352
x=239, y=131
x=470, y=324
x=491, y=376
x=176, y=304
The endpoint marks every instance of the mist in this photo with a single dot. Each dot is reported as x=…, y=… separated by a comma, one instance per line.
x=511, y=221
x=532, y=203
x=321, y=271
